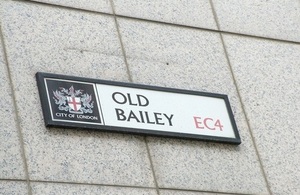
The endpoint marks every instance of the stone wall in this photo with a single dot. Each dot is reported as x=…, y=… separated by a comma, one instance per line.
x=249, y=50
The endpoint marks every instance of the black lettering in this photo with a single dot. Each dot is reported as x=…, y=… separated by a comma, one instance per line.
x=157, y=118
x=115, y=99
x=169, y=119
x=120, y=114
x=147, y=118
x=132, y=116
x=142, y=117
x=145, y=101
x=129, y=99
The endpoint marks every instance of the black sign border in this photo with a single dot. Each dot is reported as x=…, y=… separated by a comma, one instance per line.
x=40, y=77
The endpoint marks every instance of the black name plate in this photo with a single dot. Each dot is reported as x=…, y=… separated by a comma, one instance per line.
x=76, y=102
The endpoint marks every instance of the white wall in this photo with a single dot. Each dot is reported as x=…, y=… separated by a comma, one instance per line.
x=249, y=50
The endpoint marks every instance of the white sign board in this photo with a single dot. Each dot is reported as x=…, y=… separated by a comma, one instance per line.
x=140, y=109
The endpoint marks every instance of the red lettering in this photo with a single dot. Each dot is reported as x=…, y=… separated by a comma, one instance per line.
x=197, y=122
x=218, y=124
x=206, y=125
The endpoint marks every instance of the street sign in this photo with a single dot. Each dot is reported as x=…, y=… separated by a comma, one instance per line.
x=76, y=102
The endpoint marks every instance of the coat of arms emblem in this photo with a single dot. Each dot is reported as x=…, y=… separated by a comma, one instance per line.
x=73, y=101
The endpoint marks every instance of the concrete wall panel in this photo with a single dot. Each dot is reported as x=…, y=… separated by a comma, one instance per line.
x=166, y=43
x=13, y=188
x=267, y=73
x=191, y=59
x=188, y=12
x=178, y=192
x=273, y=19
x=42, y=38
x=72, y=189
x=11, y=162
x=92, y=5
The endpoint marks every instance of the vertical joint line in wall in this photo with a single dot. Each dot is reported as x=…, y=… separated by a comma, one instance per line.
x=120, y=40
x=20, y=134
x=244, y=111
x=214, y=14
x=130, y=79
x=152, y=166
x=240, y=97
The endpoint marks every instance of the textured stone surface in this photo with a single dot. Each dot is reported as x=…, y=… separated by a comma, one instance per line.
x=267, y=73
x=66, y=189
x=177, y=192
x=275, y=19
x=188, y=12
x=93, y=5
x=72, y=43
x=11, y=163
x=13, y=188
x=175, y=57
x=192, y=59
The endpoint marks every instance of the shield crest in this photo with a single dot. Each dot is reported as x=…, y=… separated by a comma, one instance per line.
x=74, y=103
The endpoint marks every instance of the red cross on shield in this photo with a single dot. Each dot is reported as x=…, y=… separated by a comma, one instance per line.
x=74, y=103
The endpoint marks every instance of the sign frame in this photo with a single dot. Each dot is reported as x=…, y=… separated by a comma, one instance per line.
x=49, y=122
